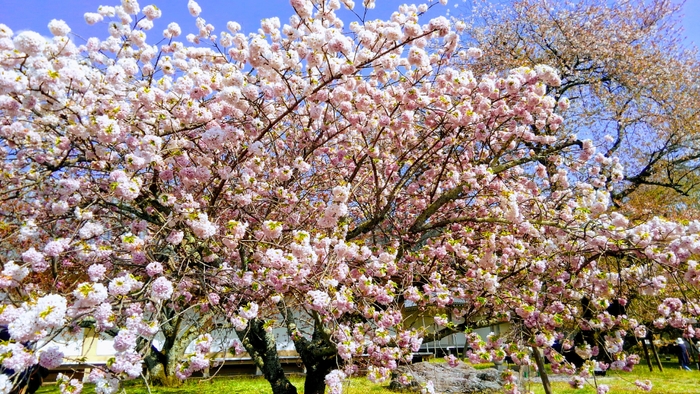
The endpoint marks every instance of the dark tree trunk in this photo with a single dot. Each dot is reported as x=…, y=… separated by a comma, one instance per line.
x=543, y=373
x=262, y=348
x=319, y=355
x=315, y=382
x=653, y=350
x=319, y=358
x=646, y=353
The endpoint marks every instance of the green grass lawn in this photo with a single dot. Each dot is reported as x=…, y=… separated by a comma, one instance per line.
x=671, y=381
x=229, y=385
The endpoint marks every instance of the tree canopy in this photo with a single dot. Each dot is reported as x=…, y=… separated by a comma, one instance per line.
x=315, y=176
x=628, y=76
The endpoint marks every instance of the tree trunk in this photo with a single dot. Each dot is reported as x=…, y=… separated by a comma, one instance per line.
x=543, y=374
x=161, y=367
x=162, y=364
x=315, y=382
x=158, y=377
x=262, y=348
x=646, y=353
x=319, y=355
x=656, y=354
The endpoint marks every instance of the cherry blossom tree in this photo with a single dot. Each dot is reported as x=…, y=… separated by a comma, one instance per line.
x=312, y=176
x=628, y=76
x=630, y=83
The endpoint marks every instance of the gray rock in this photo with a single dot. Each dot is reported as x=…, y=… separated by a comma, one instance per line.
x=460, y=379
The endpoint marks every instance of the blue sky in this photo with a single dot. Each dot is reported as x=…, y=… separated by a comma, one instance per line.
x=691, y=21
x=35, y=14
x=248, y=13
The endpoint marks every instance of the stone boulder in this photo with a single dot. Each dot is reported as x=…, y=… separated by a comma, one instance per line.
x=462, y=378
